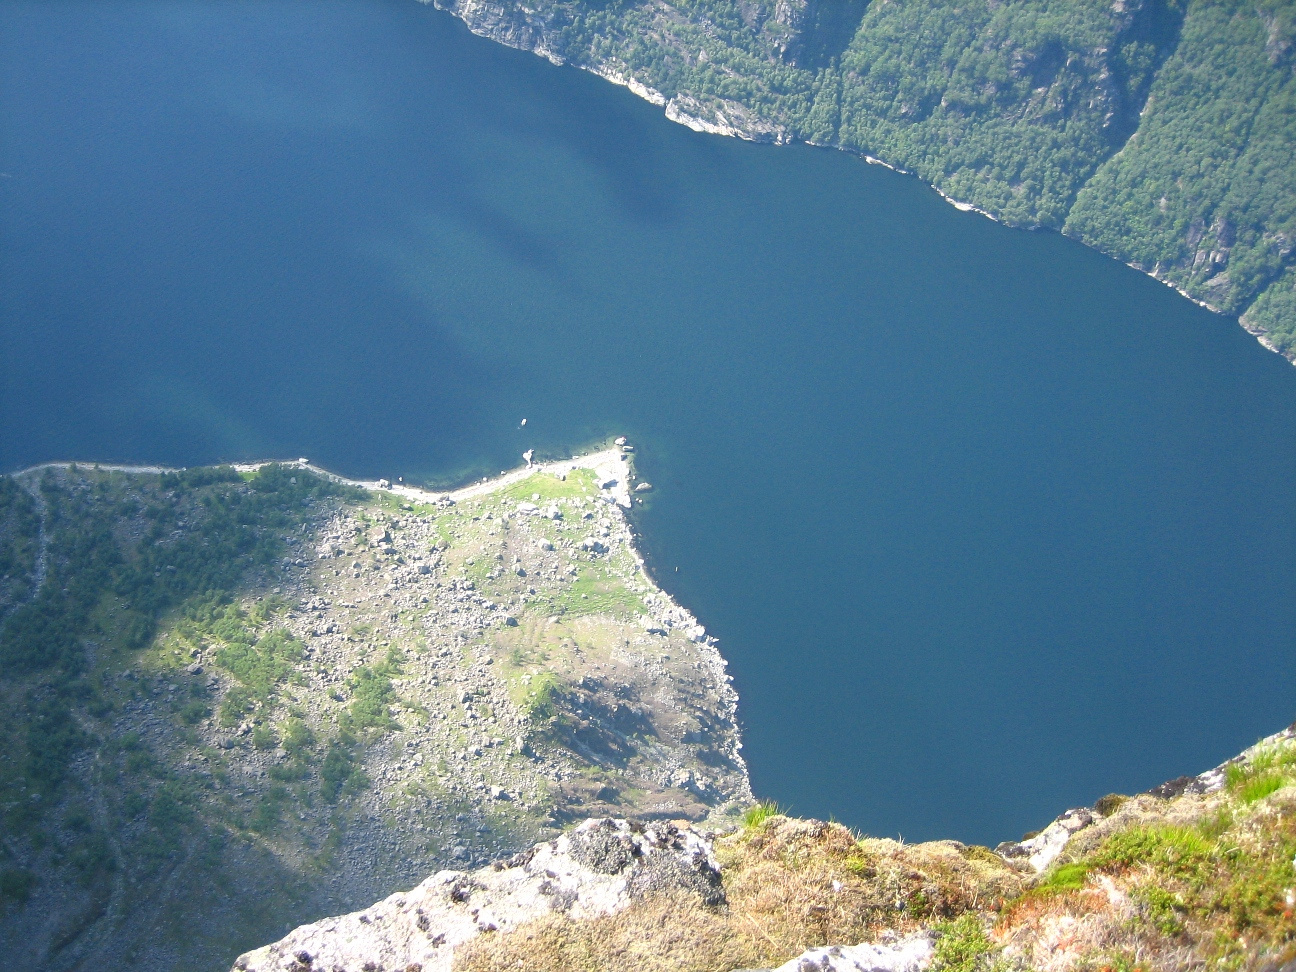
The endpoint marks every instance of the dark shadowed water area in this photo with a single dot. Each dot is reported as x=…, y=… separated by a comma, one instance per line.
x=988, y=525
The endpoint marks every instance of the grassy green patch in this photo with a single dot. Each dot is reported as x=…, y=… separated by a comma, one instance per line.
x=269, y=809
x=1261, y=786
x=296, y=735
x=1110, y=803
x=962, y=945
x=119, y=628
x=340, y=774
x=260, y=664
x=479, y=570
x=1118, y=961
x=1067, y=877
x=1164, y=909
x=372, y=693
x=194, y=712
x=1227, y=876
x=263, y=737
x=1272, y=756
x=1266, y=772
x=19, y=540
x=541, y=697
x=1169, y=847
x=757, y=814
x=579, y=483
x=594, y=591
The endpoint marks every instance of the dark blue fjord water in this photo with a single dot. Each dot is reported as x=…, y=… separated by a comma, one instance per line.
x=988, y=525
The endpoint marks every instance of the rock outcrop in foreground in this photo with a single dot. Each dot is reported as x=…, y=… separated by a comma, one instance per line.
x=597, y=869
x=1198, y=873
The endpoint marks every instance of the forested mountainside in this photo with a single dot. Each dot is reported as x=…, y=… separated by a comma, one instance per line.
x=1159, y=131
x=234, y=700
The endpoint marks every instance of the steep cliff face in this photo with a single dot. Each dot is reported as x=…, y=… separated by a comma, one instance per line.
x=1197, y=873
x=236, y=698
x=1158, y=131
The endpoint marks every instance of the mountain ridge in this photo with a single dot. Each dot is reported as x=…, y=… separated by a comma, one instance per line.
x=1158, y=132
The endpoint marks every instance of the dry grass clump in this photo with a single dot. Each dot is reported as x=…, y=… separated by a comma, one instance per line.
x=660, y=933
x=789, y=885
x=804, y=883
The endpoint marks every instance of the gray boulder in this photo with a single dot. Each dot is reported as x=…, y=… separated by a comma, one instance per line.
x=910, y=954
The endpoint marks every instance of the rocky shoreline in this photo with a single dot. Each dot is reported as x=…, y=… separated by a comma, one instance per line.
x=522, y=29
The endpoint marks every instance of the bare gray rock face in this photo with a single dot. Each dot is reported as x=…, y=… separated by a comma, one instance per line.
x=596, y=869
x=911, y=954
x=1040, y=851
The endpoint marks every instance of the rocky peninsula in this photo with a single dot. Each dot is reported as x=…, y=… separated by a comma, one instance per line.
x=255, y=693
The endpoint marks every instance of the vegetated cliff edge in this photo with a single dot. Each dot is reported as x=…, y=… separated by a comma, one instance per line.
x=1160, y=132
x=233, y=699
x=1195, y=874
